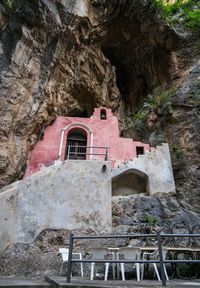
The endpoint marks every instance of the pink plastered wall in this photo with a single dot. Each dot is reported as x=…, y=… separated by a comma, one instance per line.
x=100, y=132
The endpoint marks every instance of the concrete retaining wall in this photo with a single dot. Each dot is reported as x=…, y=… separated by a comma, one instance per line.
x=74, y=195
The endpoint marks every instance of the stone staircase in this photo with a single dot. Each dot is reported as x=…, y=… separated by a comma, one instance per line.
x=156, y=164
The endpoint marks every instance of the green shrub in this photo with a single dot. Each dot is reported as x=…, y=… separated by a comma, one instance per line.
x=150, y=219
x=186, y=12
x=140, y=115
x=154, y=103
x=8, y=3
x=161, y=99
x=139, y=118
x=114, y=213
x=172, y=119
x=178, y=151
x=165, y=95
x=192, y=20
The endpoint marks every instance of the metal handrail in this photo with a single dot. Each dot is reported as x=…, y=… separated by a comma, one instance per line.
x=103, y=147
x=80, y=153
x=157, y=236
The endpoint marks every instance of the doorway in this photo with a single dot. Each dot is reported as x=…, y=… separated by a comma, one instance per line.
x=76, y=145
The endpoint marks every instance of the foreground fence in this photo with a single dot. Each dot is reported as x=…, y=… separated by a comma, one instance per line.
x=157, y=238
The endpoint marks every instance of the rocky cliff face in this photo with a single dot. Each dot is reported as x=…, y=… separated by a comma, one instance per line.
x=51, y=64
x=67, y=57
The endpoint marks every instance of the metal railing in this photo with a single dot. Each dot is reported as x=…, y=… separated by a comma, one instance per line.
x=81, y=152
x=157, y=237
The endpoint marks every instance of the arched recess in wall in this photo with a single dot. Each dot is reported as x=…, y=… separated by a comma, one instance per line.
x=76, y=144
x=130, y=182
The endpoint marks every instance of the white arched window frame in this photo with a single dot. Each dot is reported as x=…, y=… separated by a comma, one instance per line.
x=69, y=127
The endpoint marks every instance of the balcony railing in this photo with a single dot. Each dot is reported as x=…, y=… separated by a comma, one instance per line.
x=76, y=152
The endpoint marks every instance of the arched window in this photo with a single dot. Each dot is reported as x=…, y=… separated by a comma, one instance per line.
x=103, y=114
x=76, y=144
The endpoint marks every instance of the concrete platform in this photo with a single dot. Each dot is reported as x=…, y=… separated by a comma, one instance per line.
x=60, y=281
x=10, y=282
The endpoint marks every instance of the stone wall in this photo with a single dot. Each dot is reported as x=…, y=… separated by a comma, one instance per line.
x=156, y=165
x=74, y=195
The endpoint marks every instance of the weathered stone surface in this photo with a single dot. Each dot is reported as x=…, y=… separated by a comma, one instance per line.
x=162, y=208
x=65, y=58
x=36, y=259
x=50, y=65
x=74, y=195
x=180, y=129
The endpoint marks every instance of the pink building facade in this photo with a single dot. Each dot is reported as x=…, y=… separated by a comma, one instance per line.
x=94, y=138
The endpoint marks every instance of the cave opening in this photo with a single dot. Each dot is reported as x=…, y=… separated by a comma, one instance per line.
x=139, y=47
x=86, y=100
x=131, y=83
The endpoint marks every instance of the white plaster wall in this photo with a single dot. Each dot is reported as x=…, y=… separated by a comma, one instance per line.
x=156, y=165
x=74, y=195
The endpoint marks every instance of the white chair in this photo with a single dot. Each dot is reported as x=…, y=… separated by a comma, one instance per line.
x=155, y=256
x=130, y=253
x=115, y=256
x=65, y=256
x=99, y=254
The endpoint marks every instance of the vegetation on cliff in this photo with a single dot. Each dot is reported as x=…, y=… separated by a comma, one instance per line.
x=119, y=54
x=63, y=58
x=7, y=3
x=184, y=12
